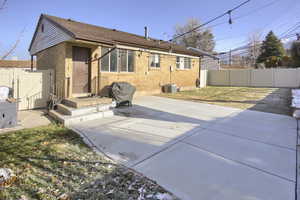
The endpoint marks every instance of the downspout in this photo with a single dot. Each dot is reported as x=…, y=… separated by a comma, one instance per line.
x=31, y=63
x=99, y=78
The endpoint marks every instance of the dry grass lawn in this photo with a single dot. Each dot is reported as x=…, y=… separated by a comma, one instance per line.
x=53, y=162
x=273, y=100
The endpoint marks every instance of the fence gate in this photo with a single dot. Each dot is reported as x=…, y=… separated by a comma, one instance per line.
x=32, y=88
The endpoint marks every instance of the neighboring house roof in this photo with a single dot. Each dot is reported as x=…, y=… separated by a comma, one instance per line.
x=88, y=32
x=16, y=63
x=203, y=53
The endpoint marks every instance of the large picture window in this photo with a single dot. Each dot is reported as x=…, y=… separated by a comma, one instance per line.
x=118, y=60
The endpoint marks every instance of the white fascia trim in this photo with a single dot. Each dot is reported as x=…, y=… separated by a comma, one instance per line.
x=154, y=51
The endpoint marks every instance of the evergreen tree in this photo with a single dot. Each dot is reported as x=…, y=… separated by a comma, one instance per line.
x=271, y=51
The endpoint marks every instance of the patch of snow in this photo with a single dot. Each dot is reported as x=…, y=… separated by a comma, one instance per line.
x=296, y=92
x=141, y=191
x=163, y=196
x=296, y=98
x=5, y=174
x=110, y=192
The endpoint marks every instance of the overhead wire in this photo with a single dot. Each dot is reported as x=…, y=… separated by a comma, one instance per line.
x=212, y=20
x=294, y=28
x=247, y=14
x=248, y=46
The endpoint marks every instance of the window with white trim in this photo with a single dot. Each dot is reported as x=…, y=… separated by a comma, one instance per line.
x=118, y=60
x=154, y=60
x=105, y=61
x=187, y=63
x=183, y=63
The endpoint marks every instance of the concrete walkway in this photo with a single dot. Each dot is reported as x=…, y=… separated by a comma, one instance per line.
x=200, y=151
x=29, y=119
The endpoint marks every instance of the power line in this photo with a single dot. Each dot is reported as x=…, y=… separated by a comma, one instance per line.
x=288, y=12
x=238, y=17
x=257, y=9
x=214, y=19
x=248, y=46
x=290, y=30
x=247, y=14
x=290, y=36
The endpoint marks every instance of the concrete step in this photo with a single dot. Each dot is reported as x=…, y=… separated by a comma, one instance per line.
x=68, y=120
x=67, y=110
x=85, y=102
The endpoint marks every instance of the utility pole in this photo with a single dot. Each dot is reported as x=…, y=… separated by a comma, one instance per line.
x=230, y=58
x=298, y=36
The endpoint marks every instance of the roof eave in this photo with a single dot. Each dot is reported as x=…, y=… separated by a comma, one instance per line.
x=61, y=27
x=35, y=32
x=53, y=22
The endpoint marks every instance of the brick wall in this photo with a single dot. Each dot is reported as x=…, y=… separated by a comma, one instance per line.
x=150, y=80
x=95, y=52
x=54, y=58
x=146, y=79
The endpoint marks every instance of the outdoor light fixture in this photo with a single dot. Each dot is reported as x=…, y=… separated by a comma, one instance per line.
x=230, y=19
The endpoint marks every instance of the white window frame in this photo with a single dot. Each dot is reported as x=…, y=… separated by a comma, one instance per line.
x=118, y=61
x=108, y=60
x=152, y=56
x=133, y=60
x=190, y=63
x=181, y=64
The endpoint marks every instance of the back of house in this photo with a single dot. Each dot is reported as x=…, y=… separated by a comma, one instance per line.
x=87, y=59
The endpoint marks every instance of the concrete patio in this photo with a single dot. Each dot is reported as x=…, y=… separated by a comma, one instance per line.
x=30, y=119
x=201, y=151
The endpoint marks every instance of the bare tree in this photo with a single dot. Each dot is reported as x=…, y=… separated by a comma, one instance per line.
x=12, y=48
x=16, y=43
x=254, y=44
x=201, y=38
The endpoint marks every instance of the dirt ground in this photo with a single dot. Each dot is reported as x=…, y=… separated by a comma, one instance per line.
x=272, y=100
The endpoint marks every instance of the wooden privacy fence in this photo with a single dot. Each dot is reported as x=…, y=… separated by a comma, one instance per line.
x=32, y=88
x=255, y=77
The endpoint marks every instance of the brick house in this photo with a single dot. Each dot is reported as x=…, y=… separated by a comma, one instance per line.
x=88, y=58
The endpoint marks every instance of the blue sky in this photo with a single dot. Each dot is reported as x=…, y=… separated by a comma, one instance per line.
x=159, y=15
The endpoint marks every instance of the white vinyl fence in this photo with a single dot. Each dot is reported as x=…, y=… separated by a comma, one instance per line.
x=255, y=77
x=31, y=88
x=203, y=78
